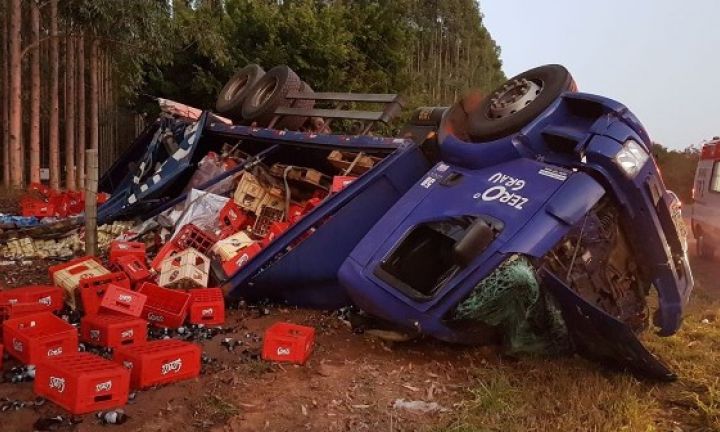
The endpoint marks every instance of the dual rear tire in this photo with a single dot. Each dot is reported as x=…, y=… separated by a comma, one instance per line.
x=252, y=96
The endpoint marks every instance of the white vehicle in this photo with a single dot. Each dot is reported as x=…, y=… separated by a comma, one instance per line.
x=705, y=215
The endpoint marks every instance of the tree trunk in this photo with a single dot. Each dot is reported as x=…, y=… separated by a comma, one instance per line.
x=35, y=95
x=6, y=98
x=91, y=203
x=94, y=125
x=69, y=102
x=15, y=121
x=81, y=132
x=54, y=133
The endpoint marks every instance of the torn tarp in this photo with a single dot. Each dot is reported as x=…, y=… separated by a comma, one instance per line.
x=200, y=208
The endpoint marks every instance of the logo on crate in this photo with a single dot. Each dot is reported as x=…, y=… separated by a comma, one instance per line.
x=57, y=384
x=208, y=312
x=242, y=260
x=127, y=334
x=54, y=352
x=125, y=298
x=47, y=301
x=12, y=301
x=173, y=366
x=104, y=386
x=127, y=364
x=283, y=351
x=155, y=317
x=95, y=334
x=17, y=345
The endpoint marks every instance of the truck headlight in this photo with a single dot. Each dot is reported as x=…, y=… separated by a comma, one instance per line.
x=631, y=158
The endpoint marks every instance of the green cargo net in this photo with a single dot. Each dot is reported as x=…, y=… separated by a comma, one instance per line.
x=511, y=299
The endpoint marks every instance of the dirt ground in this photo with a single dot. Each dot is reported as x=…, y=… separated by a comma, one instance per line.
x=352, y=380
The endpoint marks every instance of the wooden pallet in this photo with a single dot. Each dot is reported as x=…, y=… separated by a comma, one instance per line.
x=344, y=160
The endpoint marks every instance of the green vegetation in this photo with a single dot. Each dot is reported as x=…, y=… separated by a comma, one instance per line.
x=573, y=394
x=430, y=51
x=678, y=169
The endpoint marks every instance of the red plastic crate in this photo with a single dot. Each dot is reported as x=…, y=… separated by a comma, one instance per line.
x=124, y=248
x=189, y=236
x=17, y=310
x=117, y=278
x=207, y=306
x=135, y=268
x=164, y=307
x=288, y=343
x=93, y=289
x=82, y=383
x=75, y=202
x=275, y=230
x=169, y=249
x=340, y=182
x=5, y=312
x=240, y=259
x=112, y=331
x=233, y=216
x=32, y=207
x=34, y=338
x=102, y=197
x=295, y=213
x=311, y=204
x=159, y=362
x=124, y=301
x=68, y=203
x=49, y=296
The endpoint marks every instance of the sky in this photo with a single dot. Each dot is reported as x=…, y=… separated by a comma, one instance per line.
x=661, y=58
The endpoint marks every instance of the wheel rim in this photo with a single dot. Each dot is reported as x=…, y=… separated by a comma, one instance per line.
x=514, y=96
x=265, y=92
x=235, y=88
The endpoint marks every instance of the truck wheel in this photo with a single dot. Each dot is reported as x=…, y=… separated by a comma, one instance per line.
x=233, y=94
x=295, y=123
x=518, y=102
x=268, y=94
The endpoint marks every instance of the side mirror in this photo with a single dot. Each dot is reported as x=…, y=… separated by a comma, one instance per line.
x=477, y=238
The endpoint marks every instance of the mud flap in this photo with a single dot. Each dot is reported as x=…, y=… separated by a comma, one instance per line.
x=599, y=336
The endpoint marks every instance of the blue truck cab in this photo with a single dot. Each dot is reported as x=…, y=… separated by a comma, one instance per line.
x=571, y=188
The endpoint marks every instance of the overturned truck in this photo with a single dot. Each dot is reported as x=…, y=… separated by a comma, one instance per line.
x=535, y=214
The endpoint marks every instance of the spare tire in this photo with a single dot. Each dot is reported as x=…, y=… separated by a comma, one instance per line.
x=519, y=101
x=296, y=122
x=236, y=90
x=268, y=94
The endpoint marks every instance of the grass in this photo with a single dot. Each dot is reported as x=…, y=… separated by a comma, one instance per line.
x=572, y=394
x=256, y=367
x=560, y=394
x=214, y=409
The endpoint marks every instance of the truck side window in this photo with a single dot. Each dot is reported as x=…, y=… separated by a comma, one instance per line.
x=715, y=179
